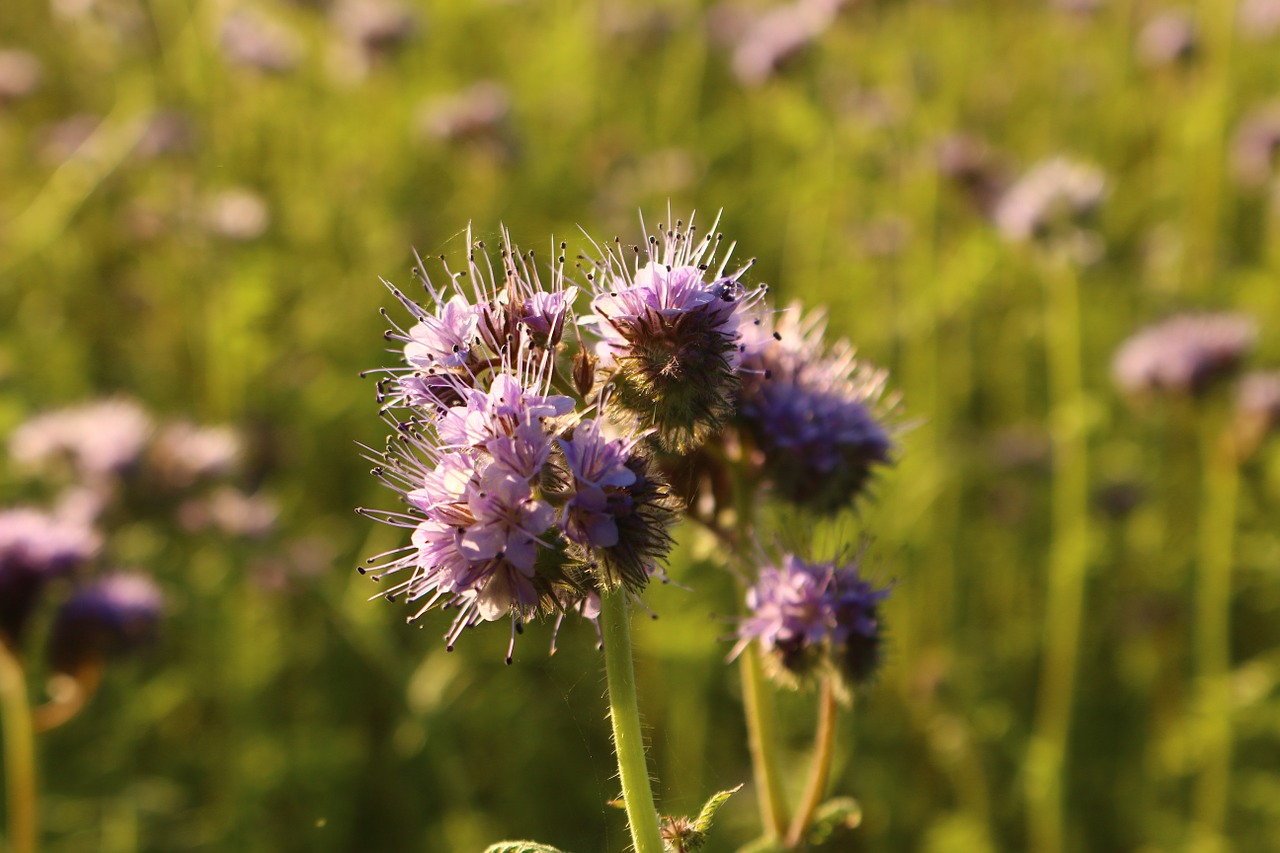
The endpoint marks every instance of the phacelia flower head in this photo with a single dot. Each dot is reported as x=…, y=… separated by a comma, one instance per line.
x=113, y=614
x=518, y=506
x=35, y=548
x=818, y=414
x=1185, y=354
x=669, y=330
x=814, y=617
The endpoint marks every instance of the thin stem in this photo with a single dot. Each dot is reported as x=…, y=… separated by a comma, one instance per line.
x=1068, y=558
x=19, y=752
x=624, y=713
x=820, y=769
x=1213, y=629
x=763, y=741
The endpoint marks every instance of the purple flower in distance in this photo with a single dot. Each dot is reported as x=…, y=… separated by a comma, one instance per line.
x=98, y=439
x=112, y=614
x=1053, y=196
x=1257, y=409
x=817, y=414
x=1185, y=354
x=669, y=334
x=811, y=617
x=34, y=549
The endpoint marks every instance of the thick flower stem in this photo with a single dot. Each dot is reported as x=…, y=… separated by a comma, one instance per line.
x=19, y=753
x=820, y=769
x=1068, y=559
x=1213, y=631
x=763, y=741
x=624, y=713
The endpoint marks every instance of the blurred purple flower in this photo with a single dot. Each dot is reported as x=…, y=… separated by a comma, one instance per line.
x=1258, y=19
x=251, y=40
x=98, y=439
x=817, y=413
x=20, y=74
x=1257, y=409
x=478, y=112
x=34, y=549
x=775, y=37
x=184, y=453
x=1185, y=354
x=113, y=614
x=1255, y=146
x=1169, y=38
x=1053, y=196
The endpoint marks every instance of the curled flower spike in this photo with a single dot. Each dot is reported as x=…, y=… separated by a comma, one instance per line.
x=669, y=334
x=814, y=617
x=816, y=412
x=1184, y=355
x=34, y=549
x=517, y=506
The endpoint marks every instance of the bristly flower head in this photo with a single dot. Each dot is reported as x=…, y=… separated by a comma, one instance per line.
x=114, y=613
x=518, y=506
x=34, y=549
x=669, y=328
x=1184, y=355
x=812, y=618
x=818, y=414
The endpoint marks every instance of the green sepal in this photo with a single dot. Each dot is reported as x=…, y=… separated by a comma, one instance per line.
x=838, y=813
x=709, y=809
x=521, y=847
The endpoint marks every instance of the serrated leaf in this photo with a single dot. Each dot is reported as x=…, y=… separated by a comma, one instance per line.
x=703, y=823
x=521, y=847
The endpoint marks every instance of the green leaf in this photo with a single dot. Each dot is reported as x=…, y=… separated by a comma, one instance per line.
x=703, y=823
x=521, y=847
x=842, y=812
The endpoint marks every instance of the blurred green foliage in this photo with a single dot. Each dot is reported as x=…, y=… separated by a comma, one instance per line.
x=292, y=715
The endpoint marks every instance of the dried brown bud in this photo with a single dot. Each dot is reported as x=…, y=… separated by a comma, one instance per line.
x=584, y=372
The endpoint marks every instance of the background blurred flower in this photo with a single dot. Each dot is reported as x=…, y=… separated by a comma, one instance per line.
x=1185, y=354
x=109, y=615
x=34, y=549
x=98, y=439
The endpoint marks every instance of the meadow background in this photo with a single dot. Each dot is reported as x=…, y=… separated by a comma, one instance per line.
x=199, y=198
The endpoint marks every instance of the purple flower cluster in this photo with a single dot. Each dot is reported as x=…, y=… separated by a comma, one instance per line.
x=518, y=505
x=817, y=413
x=669, y=334
x=811, y=617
